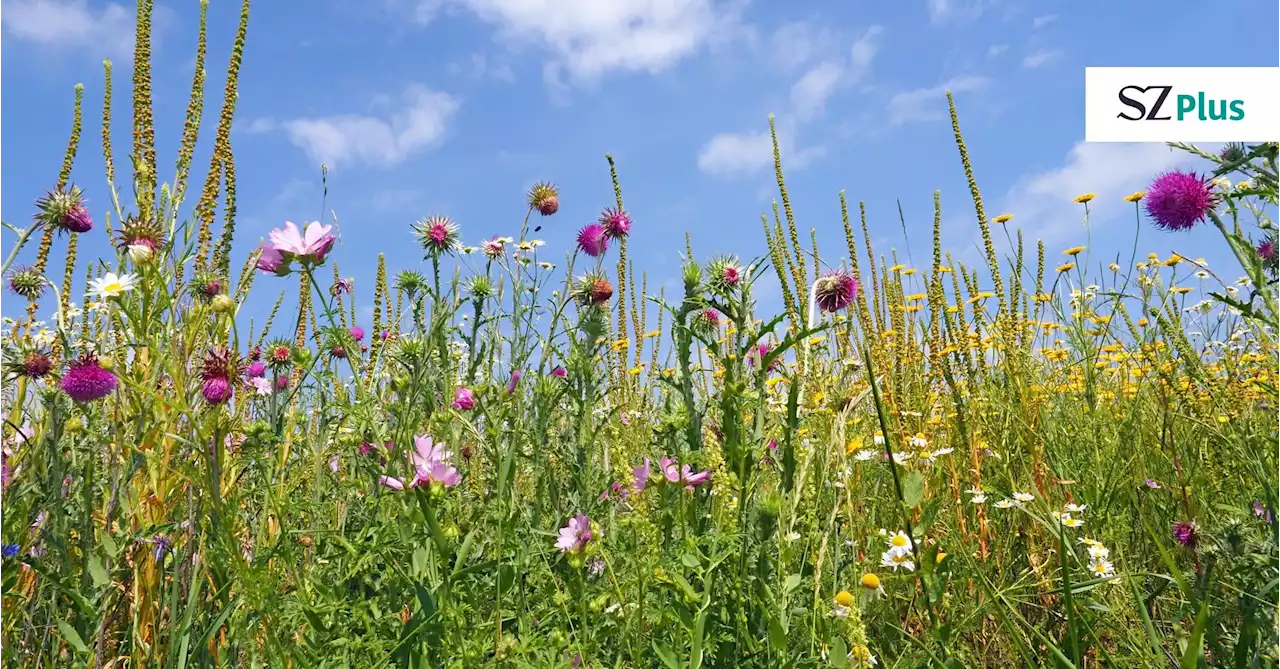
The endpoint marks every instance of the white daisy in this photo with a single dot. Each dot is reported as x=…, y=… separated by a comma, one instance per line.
x=111, y=285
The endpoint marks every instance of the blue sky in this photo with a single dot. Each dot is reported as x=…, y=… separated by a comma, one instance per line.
x=458, y=106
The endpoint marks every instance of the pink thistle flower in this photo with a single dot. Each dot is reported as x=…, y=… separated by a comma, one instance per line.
x=616, y=223
x=282, y=382
x=464, y=399
x=1185, y=533
x=86, y=380
x=307, y=246
x=36, y=364
x=256, y=369
x=575, y=534
x=593, y=240
x=835, y=291
x=1179, y=200
x=545, y=198
x=494, y=248
x=357, y=333
x=559, y=372
x=438, y=235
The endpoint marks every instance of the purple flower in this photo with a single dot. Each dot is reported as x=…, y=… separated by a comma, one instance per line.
x=1151, y=483
x=438, y=235
x=162, y=546
x=342, y=286
x=641, y=473
x=1185, y=533
x=692, y=479
x=216, y=390
x=272, y=261
x=773, y=444
x=593, y=240
x=86, y=380
x=559, y=372
x=835, y=290
x=1260, y=510
x=282, y=382
x=513, y=382
x=431, y=462
x=616, y=223
x=11, y=550
x=307, y=246
x=1267, y=252
x=256, y=369
x=357, y=333
x=1179, y=200
x=575, y=534
x=464, y=399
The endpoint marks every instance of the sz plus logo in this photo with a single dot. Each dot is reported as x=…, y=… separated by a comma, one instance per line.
x=1182, y=104
x=1138, y=99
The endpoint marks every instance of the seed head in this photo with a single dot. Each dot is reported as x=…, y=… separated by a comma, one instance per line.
x=545, y=198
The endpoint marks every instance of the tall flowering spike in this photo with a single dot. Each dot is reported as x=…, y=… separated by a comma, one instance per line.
x=221, y=155
x=222, y=250
x=1179, y=200
x=86, y=380
x=144, y=140
x=616, y=223
x=545, y=198
x=438, y=235
x=195, y=107
x=62, y=209
x=593, y=240
x=835, y=290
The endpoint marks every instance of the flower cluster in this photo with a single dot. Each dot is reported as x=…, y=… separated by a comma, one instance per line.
x=898, y=552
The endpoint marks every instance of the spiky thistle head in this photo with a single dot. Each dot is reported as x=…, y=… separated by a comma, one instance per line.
x=616, y=223
x=279, y=353
x=835, y=290
x=63, y=209
x=479, y=287
x=87, y=380
x=593, y=290
x=1267, y=251
x=27, y=282
x=725, y=274
x=438, y=235
x=208, y=284
x=1179, y=200
x=141, y=238
x=545, y=198
x=410, y=283
x=705, y=321
x=593, y=240
x=36, y=364
x=1232, y=153
x=221, y=362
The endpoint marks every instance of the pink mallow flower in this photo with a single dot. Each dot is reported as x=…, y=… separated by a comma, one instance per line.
x=308, y=246
x=575, y=534
x=272, y=261
x=641, y=472
x=464, y=399
x=685, y=476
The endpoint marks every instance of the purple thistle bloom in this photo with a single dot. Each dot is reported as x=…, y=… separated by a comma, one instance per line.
x=357, y=333
x=1267, y=252
x=1179, y=200
x=593, y=240
x=559, y=372
x=256, y=369
x=513, y=382
x=216, y=390
x=616, y=223
x=86, y=380
x=162, y=546
x=1260, y=510
x=835, y=291
x=1185, y=533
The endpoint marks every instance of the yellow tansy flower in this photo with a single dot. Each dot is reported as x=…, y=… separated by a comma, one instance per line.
x=1087, y=197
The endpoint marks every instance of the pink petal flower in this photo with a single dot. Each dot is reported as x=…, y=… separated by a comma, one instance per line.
x=670, y=469
x=391, y=482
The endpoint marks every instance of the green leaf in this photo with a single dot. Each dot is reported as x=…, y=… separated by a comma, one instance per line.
x=913, y=489
x=793, y=582
x=777, y=634
x=109, y=543
x=1195, y=645
x=98, y=571
x=839, y=655
x=72, y=636
x=689, y=560
x=666, y=655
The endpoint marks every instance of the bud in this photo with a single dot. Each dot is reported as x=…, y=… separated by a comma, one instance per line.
x=140, y=254
x=107, y=362
x=223, y=303
x=451, y=531
x=74, y=426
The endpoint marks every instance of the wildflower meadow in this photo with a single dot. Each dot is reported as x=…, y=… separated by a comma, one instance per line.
x=525, y=458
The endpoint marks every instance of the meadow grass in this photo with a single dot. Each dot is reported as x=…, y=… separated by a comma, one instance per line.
x=1031, y=461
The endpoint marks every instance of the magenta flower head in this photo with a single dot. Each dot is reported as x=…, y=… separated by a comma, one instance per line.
x=86, y=380
x=438, y=235
x=1185, y=533
x=575, y=534
x=705, y=321
x=670, y=470
x=272, y=261
x=513, y=382
x=282, y=382
x=616, y=223
x=1267, y=251
x=357, y=333
x=256, y=369
x=835, y=290
x=692, y=479
x=216, y=390
x=464, y=399
x=559, y=372
x=1179, y=200
x=593, y=240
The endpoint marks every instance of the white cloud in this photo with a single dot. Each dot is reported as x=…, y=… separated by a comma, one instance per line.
x=966, y=10
x=374, y=140
x=809, y=94
x=257, y=126
x=71, y=23
x=929, y=104
x=738, y=154
x=591, y=37
x=481, y=67
x=794, y=44
x=864, y=50
x=1044, y=200
x=1040, y=58
x=1042, y=21
x=996, y=49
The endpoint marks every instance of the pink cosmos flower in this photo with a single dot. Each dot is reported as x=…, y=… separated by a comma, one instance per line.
x=575, y=534
x=308, y=246
x=464, y=399
x=431, y=462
